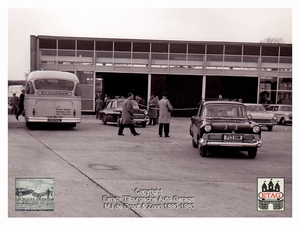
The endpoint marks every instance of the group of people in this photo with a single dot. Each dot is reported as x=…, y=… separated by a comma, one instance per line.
x=17, y=104
x=158, y=109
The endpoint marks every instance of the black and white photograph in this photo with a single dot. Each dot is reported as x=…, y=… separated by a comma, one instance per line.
x=164, y=112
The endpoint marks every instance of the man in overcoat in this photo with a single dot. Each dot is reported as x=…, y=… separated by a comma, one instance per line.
x=127, y=116
x=153, y=105
x=164, y=118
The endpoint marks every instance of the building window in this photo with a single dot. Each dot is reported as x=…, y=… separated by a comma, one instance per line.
x=267, y=90
x=122, y=46
x=215, y=49
x=159, y=47
x=141, y=47
x=85, y=45
x=66, y=44
x=251, y=50
x=104, y=45
x=47, y=43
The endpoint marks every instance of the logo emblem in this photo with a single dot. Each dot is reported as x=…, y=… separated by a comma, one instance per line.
x=270, y=193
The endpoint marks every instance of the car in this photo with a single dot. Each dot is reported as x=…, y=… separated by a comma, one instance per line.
x=113, y=109
x=283, y=113
x=261, y=116
x=224, y=124
x=23, y=191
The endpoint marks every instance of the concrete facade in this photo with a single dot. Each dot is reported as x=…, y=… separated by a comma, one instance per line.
x=188, y=70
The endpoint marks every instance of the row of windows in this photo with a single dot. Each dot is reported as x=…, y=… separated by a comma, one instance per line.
x=165, y=47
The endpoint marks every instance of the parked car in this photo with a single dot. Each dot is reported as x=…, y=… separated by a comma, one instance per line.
x=283, y=113
x=113, y=109
x=261, y=116
x=23, y=191
x=224, y=124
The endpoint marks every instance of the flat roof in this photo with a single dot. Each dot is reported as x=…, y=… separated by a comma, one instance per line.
x=164, y=41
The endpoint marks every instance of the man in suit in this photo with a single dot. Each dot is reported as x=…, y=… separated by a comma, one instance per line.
x=127, y=116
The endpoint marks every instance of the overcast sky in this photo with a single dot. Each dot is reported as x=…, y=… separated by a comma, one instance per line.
x=190, y=24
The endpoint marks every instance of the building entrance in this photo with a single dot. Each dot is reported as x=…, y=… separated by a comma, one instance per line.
x=120, y=84
x=232, y=88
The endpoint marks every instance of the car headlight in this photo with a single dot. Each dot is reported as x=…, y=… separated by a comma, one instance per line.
x=207, y=128
x=290, y=115
x=274, y=117
x=256, y=129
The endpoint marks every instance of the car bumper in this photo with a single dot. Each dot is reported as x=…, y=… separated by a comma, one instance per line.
x=254, y=143
x=141, y=120
x=52, y=120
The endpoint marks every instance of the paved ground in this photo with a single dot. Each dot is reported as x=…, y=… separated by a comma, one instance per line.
x=91, y=163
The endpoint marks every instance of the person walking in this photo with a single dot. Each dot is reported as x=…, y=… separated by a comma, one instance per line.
x=164, y=118
x=153, y=105
x=14, y=104
x=127, y=116
x=21, y=104
x=99, y=106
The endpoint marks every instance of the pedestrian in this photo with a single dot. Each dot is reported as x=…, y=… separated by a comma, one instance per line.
x=21, y=104
x=164, y=118
x=126, y=119
x=14, y=104
x=153, y=105
x=98, y=106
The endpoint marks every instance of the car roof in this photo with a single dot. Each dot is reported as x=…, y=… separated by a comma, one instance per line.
x=222, y=102
x=278, y=105
x=252, y=104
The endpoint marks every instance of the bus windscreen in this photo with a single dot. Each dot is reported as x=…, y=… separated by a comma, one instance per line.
x=54, y=84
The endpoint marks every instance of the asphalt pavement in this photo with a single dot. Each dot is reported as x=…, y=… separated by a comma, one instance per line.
x=100, y=174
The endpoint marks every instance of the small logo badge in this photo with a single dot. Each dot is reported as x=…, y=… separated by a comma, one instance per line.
x=270, y=194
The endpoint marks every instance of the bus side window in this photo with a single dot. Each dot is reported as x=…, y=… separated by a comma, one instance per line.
x=77, y=90
x=29, y=88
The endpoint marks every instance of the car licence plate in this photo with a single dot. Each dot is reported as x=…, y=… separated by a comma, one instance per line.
x=233, y=137
x=54, y=120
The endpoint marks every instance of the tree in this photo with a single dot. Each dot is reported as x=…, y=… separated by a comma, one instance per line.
x=272, y=40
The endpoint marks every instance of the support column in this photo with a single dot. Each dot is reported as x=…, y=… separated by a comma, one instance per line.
x=203, y=87
x=149, y=90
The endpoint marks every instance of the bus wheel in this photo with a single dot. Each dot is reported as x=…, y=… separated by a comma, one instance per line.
x=29, y=125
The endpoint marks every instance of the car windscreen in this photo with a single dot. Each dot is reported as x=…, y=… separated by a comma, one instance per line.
x=255, y=108
x=225, y=111
x=120, y=103
x=54, y=84
x=285, y=108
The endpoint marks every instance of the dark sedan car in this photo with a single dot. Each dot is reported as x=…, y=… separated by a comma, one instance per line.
x=113, y=109
x=224, y=124
x=23, y=191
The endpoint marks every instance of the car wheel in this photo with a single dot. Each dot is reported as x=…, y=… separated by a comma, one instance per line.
x=270, y=128
x=203, y=150
x=144, y=124
x=283, y=121
x=104, y=119
x=252, y=153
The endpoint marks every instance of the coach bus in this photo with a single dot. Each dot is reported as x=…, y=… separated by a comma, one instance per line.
x=52, y=97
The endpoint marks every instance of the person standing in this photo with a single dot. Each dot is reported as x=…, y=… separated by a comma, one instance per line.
x=127, y=116
x=14, y=104
x=164, y=118
x=21, y=104
x=99, y=106
x=153, y=105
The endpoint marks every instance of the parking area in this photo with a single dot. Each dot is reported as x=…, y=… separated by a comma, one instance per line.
x=100, y=174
